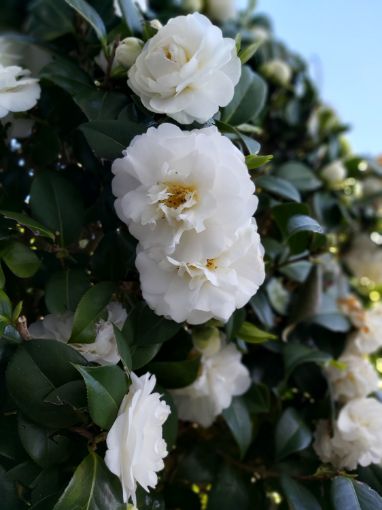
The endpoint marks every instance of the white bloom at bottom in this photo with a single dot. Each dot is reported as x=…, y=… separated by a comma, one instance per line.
x=357, y=436
x=103, y=350
x=222, y=377
x=356, y=379
x=135, y=444
x=18, y=92
x=190, y=286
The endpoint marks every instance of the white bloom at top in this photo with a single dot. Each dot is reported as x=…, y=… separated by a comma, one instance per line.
x=103, y=350
x=222, y=10
x=191, y=286
x=365, y=259
x=278, y=71
x=18, y=92
x=222, y=377
x=135, y=444
x=141, y=4
x=172, y=181
x=355, y=379
x=357, y=436
x=187, y=70
x=334, y=172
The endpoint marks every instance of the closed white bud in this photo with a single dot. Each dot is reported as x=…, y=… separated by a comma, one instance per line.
x=278, y=71
x=207, y=340
x=334, y=172
x=127, y=51
x=156, y=24
x=192, y=5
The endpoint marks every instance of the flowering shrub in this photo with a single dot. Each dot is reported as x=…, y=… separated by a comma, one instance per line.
x=190, y=267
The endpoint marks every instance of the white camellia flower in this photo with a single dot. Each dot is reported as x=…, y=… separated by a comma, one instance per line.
x=334, y=172
x=365, y=259
x=222, y=377
x=191, y=286
x=357, y=436
x=368, y=338
x=103, y=350
x=355, y=377
x=222, y=10
x=187, y=70
x=18, y=92
x=278, y=71
x=142, y=4
x=172, y=181
x=135, y=444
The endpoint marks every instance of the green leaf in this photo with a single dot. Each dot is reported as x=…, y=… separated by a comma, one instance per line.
x=249, y=99
x=20, y=259
x=106, y=386
x=170, y=426
x=57, y=204
x=258, y=399
x=123, y=349
x=92, y=487
x=5, y=305
x=253, y=161
x=298, y=496
x=9, y=499
x=301, y=176
x=131, y=15
x=229, y=491
x=235, y=321
x=253, y=335
x=353, y=495
x=91, y=305
x=239, y=422
x=301, y=222
x=292, y=435
x=68, y=75
x=307, y=302
x=279, y=187
x=65, y=289
x=283, y=212
x=46, y=447
x=53, y=394
x=143, y=355
x=91, y=16
x=99, y=104
x=50, y=19
x=30, y=223
x=108, y=138
x=333, y=321
x=144, y=327
x=297, y=271
x=296, y=354
x=175, y=374
x=248, y=52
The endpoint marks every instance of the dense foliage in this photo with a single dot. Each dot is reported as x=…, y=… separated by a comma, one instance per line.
x=63, y=249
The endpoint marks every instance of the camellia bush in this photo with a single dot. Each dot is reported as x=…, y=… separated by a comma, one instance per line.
x=191, y=270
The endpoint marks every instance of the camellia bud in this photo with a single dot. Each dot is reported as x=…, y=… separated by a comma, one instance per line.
x=221, y=10
x=278, y=71
x=156, y=24
x=334, y=172
x=127, y=51
x=192, y=5
x=207, y=339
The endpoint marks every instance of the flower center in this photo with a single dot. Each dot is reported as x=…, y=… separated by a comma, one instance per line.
x=178, y=194
x=211, y=264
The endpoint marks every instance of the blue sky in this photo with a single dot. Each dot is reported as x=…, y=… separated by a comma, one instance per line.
x=342, y=40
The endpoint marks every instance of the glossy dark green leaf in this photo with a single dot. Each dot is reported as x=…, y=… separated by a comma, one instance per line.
x=296, y=354
x=278, y=187
x=50, y=19
x=5, y=305
x=333, y=321
x=20, y=259
x=91, y=305
x=123, y=348
x=292, y=435
x=100, y=105
x=106, y=386
x=228, y=491
x=46, y=447
x=65, y=289
x=114, y=256
x=253, y=335
x=90, y=15
x=9, y=499
x=247, y=53
x=92, y=487
x=175, y=374
x=258, y=399
x=170, y=426
x=248, y=100
x=68, y=75
x=108, y=138
x=54, y=394
x=298, y=496
x=239, y=422
x=297, y=271
x=235, y=321
x=26, y=221
x=352, y=495
x=372, y=476
x=254, y=161
x=301, y=176
x=131, y=15
x=301, y=222
x=57, y=204
x=143, y=355
x=307, y=303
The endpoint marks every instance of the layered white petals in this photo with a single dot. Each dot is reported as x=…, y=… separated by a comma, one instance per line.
x=193, y=288
x=356, y=438
x=368, y=338
x=354, y=377
x=171, y=181
x=222, y=377
x=135, y=444
x=18, y=92
x=365, y=259
x=103, y=350
x=187, y=70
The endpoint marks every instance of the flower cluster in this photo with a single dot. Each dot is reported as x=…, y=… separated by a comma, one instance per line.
x=356, y=437
x=187, y=195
